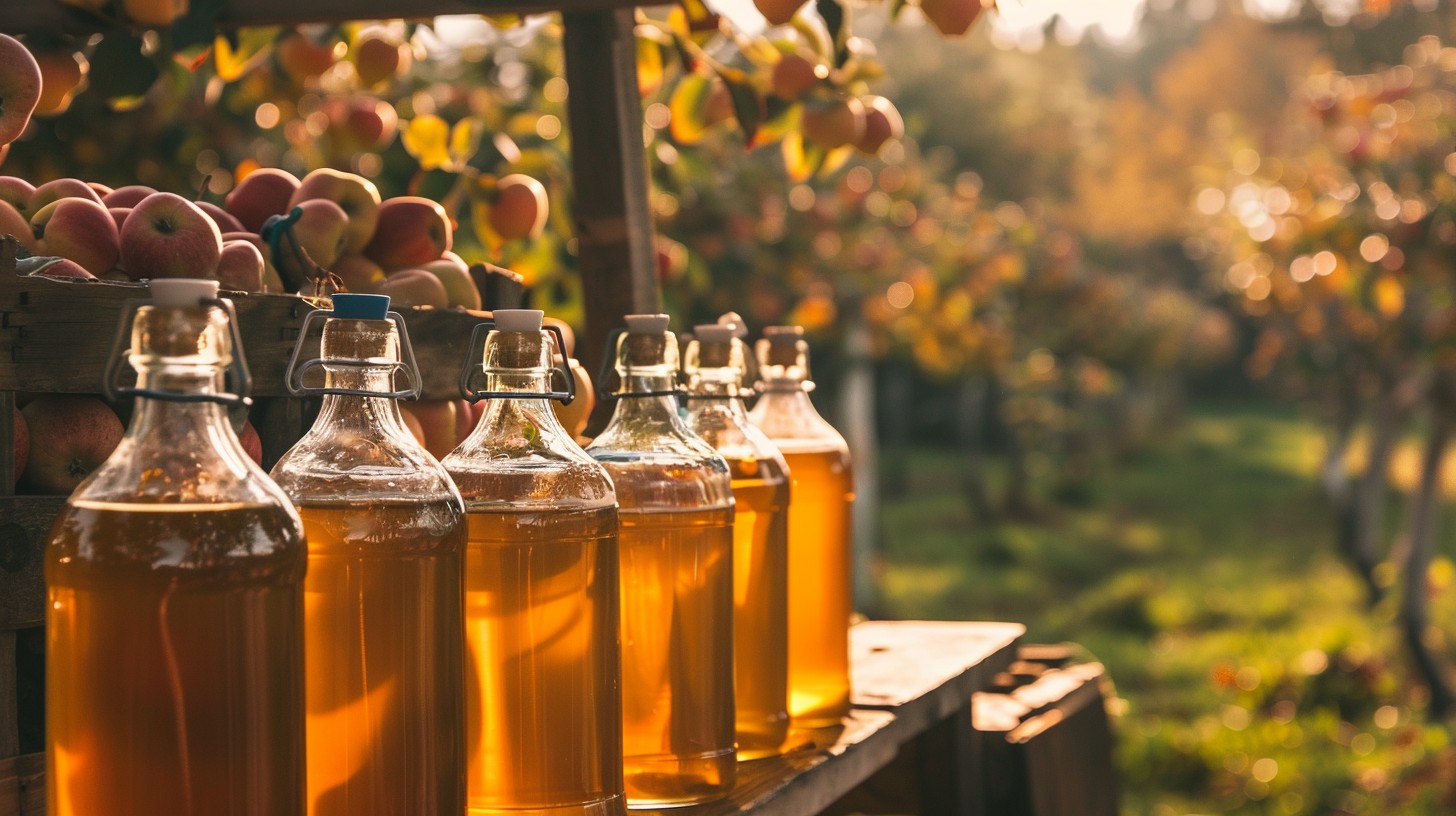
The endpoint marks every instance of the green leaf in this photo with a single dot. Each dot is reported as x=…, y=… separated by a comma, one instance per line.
x=198, y=26
x=834, y=21
x=120, y=72
x=748, y=106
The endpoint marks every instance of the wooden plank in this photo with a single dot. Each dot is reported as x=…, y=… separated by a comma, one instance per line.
x=55, y=336
x=50, y=16
x=609, y=175
x=25, y=524
x=9, y=722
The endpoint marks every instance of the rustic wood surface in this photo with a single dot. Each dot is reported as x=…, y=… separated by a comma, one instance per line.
x=25, y=524
x=51, y=16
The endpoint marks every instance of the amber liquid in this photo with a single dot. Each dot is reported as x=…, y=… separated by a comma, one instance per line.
x=384, y=630
x=760, y=611
x=543, y=694
x=820, y=602
x=677, y=670
x=174, y=676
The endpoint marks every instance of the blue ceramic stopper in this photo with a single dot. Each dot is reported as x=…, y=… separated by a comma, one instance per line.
x=360, y=307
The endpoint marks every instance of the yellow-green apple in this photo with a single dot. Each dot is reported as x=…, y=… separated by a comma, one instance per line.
x=57, y=189
x=154, y=13
x=454, y=275
x=411, y=231
x=379, y=55
x=262, y=193
x=410, y=422
x=322, y=231
x=358, y=273
x=222, y=218
x=437, y=420
x=833, y=124
x=778, y=12
x=128, y=196
x=69, y=437
x=19, y=442
x=356, y=196
x=272, y=282
x=62, y=73
x=302, y=56
x=19, y=88
x=14, y=224
x=64, y=268
x=520, y=208
x=240, y=267
x=952, y=18
x=415, y=287
x=119, y=214
x=167, y=236
x=16, y=192
x=793, y=75
x=882, y=123
x=574, y=416
x=78, y=229
x=252, y=443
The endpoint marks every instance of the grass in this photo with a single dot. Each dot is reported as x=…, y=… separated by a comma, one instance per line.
x=1252, y=675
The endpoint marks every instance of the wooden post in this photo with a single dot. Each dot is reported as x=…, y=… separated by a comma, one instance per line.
x=609, y=173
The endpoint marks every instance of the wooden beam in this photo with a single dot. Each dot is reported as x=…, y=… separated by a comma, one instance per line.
x=51, y=16
x=609, y=174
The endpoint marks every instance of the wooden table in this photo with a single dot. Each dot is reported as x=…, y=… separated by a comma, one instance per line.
x=912, y=711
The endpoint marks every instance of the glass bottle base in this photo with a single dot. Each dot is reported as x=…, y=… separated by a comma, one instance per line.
x=670, y=781
x=614, y=806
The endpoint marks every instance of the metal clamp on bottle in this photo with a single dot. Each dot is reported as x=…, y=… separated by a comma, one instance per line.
x=179, y=293
x=475, y=351
x=354, y=307
x=645, y=324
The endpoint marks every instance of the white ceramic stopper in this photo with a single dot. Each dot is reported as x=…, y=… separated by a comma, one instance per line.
x=734, y=319
x=182, y=292
x=647, y=324
x=518, y=320
x=715, y=332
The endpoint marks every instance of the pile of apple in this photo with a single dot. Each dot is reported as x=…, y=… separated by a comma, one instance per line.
x=400, y=246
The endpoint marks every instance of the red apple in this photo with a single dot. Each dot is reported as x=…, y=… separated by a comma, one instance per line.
x=224, y=220
x=379, y=56
x=520, y=208
x=413, y=424
x=70, y=437
x=19, y=442
x=834, y=124
x=322, y=231
x=13, y=223
x=20, y=88
x=415, y=287
x=303, y=57
x=119, y=214
x=793, y=75
x=778, y=12
x=58, y=189
x=411, y=231
x=252, y=443
x=454, y=275
x=882, y=123
x=359, y=274
x=260, y=194
x=240, y=267
x=356, y=195
x=64, y=268
x=128, y=196
x=437, y=419
x=271, y=280
x=16, y=192
x=81, y=230
x=154, y=13
x=464, y=420
x=951, y=18
x=101, y=190
x=62, y=73
x=167, y=236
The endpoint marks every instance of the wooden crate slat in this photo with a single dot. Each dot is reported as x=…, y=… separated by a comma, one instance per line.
x=51, y=16
x=25, y=524
x=40, y=353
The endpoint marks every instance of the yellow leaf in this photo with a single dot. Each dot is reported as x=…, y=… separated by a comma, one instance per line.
x=464, y=141
x=649, y=66
x=796, y=158
x=427, y=138
x=232, y=63
x=688, y=108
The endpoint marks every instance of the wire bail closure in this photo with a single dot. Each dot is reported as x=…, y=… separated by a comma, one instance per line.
x=293, y=374
x=473, y=367
x=609, y=367
x=237, y=368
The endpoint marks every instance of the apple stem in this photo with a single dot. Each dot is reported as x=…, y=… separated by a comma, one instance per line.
x=204, y=187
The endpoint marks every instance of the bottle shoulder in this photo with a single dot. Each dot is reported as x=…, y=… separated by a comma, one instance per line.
x=344, y=465
x=791, y=422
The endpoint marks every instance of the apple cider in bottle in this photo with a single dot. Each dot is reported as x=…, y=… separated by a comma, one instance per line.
x=174, y=667
x=543, y=694
x=714, y=363
x=677, y=581
x=820, y=530
x=383, y=605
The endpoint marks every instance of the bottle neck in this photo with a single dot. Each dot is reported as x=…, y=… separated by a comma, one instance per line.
x=719, y=391
x=635, y=404
x=354, y=413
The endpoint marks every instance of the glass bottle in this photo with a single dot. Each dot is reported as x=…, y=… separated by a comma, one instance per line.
x=677, y=581
x=820, y=529
x=174, y=667
x=714, y=363
x=383, y=624
x=543, y=691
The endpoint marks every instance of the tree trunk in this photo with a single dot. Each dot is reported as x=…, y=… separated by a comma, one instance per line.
x=1363, y=512
x=1414, y=616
